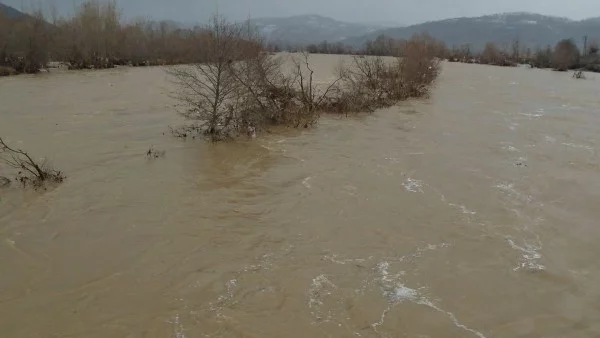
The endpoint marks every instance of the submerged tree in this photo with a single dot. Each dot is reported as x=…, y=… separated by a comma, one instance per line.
x=28, y=170
x=209, y=91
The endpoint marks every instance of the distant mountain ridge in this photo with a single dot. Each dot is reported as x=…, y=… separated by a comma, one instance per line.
x=531, y=29
x=10, y=12
x=307, y=29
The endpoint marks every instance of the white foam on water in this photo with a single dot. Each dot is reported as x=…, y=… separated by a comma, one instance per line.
x=537, y=114
x=452, y=317
x=510, y=148
x=306, y=183
x=403, y=293
x=178, y=329
x=334, y=259
x=396, y=293
x=432, y=247
x=320, y=288
x=509, y=188
x=550, y=139
x=463, y=209
x=513, y=126
x=229, y=290
x=579, y=146
x=412, y=185
x=375, y=326
x=529, y=256
x=265, y=263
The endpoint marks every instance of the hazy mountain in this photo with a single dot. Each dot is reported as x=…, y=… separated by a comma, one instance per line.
x=306, y=29
x=531, y=29
x=9, y=11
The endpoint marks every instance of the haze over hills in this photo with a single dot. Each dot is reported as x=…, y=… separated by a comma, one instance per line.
x=307, y=29
x=531, y=29
x=9, y=11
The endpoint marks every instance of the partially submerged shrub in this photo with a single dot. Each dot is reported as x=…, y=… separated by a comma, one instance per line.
x=372, y=82
x=268, y=96
x=242, y=90
x=579, y=75
x=29, y=171
x=4, y=182
x=154, y=153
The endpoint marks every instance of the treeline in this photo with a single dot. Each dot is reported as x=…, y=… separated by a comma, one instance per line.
x=565, y=55
x=96, y=37
x=381, y=46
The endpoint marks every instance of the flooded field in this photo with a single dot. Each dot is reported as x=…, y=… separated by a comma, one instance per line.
x=471, y=214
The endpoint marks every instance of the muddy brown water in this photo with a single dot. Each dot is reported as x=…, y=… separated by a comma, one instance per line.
x=474, y=213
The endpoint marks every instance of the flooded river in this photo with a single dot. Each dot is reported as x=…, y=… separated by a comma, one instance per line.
x=471, y=214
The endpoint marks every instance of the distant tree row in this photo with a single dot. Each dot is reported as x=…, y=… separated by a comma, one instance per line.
x=381, y=46
x=95, y=37
x=565, y=55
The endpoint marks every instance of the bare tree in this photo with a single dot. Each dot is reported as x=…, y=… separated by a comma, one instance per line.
x=593, y=48
x=516, y=50
x=310, y=95
x=209, y=92
x=490, y=54
x=270, y=95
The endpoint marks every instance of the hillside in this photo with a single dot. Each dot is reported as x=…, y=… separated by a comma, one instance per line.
x=531, y=29
x=306, y=29
x=9, y=11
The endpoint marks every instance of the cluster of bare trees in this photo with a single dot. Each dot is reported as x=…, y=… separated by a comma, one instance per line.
x=95, y=37
x=239, y=89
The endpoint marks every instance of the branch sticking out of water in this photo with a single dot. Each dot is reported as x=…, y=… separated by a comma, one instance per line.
x=154, y=153
x=29, y=171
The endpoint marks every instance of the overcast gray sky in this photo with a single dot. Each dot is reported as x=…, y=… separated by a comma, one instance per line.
x=404, y=11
